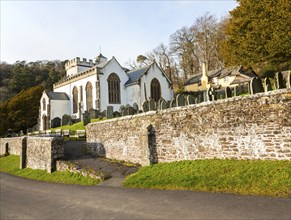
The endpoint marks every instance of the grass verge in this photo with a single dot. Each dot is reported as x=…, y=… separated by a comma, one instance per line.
x=247, y=177
x=10, y=164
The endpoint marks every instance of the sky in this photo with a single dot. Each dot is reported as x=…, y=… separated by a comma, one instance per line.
x=60, y=30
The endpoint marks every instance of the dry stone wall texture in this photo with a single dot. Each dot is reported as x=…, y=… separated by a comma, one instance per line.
x=13, y=144
x=250, y=127
x=42, y=152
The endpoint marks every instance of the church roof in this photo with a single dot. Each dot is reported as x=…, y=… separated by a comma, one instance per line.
x=57, y=95
x=103, y=64
x=135, y=75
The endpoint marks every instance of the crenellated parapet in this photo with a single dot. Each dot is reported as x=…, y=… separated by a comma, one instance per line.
x=76, y=77
x=78, y=62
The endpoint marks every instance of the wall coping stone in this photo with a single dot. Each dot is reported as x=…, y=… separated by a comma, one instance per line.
x=194, y=106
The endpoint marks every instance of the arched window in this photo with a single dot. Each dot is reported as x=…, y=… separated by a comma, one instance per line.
x=155, y=90
x=43, y=104
x=75, y=100
x=114, y=89
x=89, y=98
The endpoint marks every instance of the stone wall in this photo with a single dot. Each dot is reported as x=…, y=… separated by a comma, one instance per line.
x=63, y=166
x=251, y=127
x=42, y=152
x=35, y=152
x=14, y=145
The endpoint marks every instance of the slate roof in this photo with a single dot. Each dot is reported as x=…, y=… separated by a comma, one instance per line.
x=240, y=79
x=229, y=71
x=103, y=64
x=135, y=75
x=57, y=95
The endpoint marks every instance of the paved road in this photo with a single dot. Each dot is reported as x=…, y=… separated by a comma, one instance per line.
x=28, y=199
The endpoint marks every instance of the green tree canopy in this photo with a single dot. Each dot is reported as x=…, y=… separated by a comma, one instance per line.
x=21, y=111
x=258, y=32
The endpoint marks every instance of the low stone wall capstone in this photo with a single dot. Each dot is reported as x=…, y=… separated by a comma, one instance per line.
x=251, y=127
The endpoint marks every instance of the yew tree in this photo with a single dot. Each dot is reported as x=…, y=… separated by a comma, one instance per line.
x=258, y=32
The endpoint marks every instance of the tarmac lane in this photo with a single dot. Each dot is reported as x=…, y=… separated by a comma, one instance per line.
x=28, y=199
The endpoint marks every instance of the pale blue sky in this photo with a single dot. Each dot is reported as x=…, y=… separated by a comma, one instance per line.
x=49, y=30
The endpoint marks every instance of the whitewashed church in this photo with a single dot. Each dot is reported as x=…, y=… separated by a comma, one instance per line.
x=101, y=83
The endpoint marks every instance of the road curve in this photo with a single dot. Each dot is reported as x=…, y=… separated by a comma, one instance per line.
x=28, y=199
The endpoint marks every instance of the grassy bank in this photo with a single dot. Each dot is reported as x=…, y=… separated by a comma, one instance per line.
x=10, y=164
x=265, y=178
x=77, y=126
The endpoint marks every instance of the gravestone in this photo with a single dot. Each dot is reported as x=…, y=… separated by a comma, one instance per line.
x=102, y=114
x=180, y=99
x=122, y=107
x=86, y=118
x=220, y=94
x=190, y=100
x=228, y=92
x=125, y=112
x=145, y=106
x=289, y=80
x=211, y=94
x=152, y=105
x=56, y=122
x=164, y=105
x=256, y=85
x=109, y=112
x=280, y=81
x=66, y=120
x=173, y=103
x=267, y=85
x=159, y=103
x=93, y=113
x=116, y=114
x=135, y=108
x=130, y=110
x=238, y=90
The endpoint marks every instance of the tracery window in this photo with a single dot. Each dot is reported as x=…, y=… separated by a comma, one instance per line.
x=89, y=98
x=155, y=89
x=114, y=89
x=75, y=100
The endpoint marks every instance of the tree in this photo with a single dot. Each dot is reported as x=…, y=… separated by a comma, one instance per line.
x=182, y=46
x=258, y=32
x=207, y=37
x=22, y=110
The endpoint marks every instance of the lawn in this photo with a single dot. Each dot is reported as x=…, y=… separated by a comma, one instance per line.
x=264, y=178
x=76, y=126
x=10, y=164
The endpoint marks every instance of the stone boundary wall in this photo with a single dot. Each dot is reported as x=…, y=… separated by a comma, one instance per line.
x=35, y=152
x=251, y=127
x=14, y=145
x=42, y=152
x=73, y=168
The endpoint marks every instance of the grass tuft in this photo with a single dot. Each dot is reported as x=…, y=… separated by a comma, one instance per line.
x=247, y=177
x=10, y=164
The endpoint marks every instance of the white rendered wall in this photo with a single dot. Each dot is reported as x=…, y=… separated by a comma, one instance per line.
x=112, y=67
x=68, y=89
x=134, y=95
x=60, y=108
x=77, y=69
x=155, y=72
